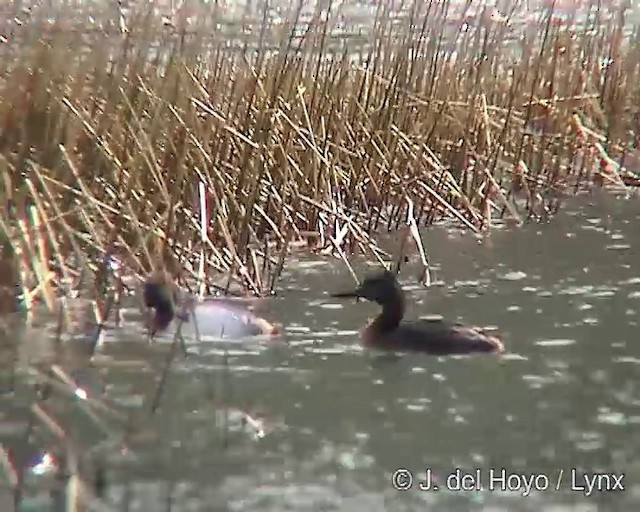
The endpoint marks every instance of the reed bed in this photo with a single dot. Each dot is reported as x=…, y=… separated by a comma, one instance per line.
x=179, y=146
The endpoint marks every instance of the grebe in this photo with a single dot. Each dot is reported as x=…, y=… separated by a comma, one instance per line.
x=225, y=317
x=436, y=337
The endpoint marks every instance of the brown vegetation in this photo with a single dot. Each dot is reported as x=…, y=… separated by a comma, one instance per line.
x=114, y=139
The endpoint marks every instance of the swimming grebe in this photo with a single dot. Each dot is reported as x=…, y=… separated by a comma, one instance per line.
x=225, y=317
x=436, y=337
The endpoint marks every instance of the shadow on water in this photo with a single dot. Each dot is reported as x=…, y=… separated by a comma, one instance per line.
x=340, y=420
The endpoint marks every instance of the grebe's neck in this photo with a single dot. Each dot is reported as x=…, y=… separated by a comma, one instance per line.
x=391, y=314
x=163, y=317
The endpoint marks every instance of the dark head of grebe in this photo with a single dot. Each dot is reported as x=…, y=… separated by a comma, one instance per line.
x=160, y=294
x=226, y=317
x=389, y=332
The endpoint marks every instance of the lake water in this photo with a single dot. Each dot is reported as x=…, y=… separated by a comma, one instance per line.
x=340, y=421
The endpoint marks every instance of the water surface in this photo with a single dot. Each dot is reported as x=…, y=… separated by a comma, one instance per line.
x=339, y=421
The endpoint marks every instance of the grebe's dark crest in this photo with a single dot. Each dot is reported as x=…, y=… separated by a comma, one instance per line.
x=215, y=316
x=389, y=332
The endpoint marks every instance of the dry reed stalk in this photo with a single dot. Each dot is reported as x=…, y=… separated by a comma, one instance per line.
x=177, y=340
x=9, y=276
x=41, y=261
x=22, y=252
x=44, y=257
x=44, y=283
x=66, y=386
x=48, y=421
x=413, y=229
x=204, y=222
x=7, y=465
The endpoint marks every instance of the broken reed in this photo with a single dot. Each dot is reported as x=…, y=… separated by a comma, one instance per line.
x=296, y=136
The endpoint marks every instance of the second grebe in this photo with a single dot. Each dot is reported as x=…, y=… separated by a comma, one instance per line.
x=223, y=317
x=437, y=337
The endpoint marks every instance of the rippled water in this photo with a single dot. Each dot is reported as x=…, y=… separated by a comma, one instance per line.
x=339, y=421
